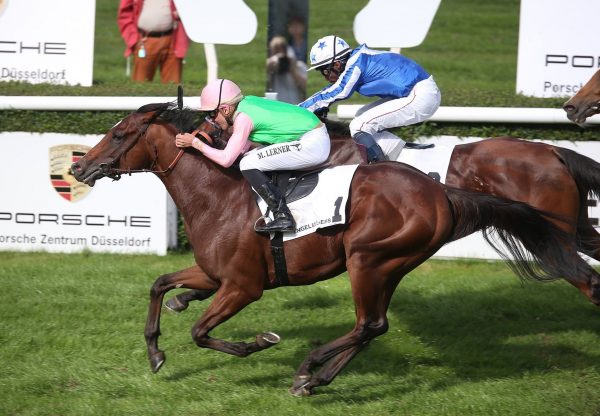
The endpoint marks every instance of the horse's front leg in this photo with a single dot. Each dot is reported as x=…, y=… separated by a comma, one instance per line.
x=181, y=302
x=227, y=302
x=192, y=277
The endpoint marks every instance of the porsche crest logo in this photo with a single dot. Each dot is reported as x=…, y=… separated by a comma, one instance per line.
x=63, y=182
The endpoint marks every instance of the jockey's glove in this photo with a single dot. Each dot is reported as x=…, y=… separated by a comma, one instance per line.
x=322, y=113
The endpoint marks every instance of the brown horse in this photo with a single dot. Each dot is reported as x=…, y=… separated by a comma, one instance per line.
x=586, y=102
x=397, y=217
x=549, y=178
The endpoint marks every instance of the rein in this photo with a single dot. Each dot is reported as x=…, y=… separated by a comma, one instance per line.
x=115, y=173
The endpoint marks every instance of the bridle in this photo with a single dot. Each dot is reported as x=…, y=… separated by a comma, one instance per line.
x=109, y=171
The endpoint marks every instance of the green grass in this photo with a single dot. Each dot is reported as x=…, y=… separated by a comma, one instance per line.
x=465, y=338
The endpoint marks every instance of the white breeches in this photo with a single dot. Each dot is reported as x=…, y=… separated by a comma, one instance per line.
x=309, y=150
x=385, y=113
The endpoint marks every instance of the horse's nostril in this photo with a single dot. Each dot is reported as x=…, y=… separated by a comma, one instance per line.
x=569, y=108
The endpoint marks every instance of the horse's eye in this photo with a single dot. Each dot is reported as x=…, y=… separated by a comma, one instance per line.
x=118, y=136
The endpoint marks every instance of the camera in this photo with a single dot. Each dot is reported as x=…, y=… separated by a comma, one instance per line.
x=283, y=64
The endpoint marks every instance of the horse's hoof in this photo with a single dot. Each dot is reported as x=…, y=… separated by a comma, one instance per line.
x=300, y=386
x=300, y=391
x=267, y=339
x=596, y=294
x=175, y=305
x=593, y=292
x=156, y=361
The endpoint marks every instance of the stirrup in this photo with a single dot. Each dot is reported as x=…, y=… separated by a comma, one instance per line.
x=265, y=219
x=291, y=228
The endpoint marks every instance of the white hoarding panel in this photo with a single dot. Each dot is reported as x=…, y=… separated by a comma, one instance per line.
x=47, y=41
x=227, y=22
x=558, y=46
x=394, y=23
x=43, y=208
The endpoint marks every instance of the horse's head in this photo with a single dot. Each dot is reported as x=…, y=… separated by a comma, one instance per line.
x=122, y=144
x=143, y=141
x=586, y=102
x=217, y=136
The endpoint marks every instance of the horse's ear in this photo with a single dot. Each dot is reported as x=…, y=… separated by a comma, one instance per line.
x=179, y=96
x=149, y=116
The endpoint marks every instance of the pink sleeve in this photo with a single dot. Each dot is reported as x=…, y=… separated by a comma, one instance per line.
x=238, y=143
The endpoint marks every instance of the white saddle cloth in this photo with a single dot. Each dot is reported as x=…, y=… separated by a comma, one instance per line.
x=324, y=206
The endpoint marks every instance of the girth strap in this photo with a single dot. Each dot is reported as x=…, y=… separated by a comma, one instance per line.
x=280, y=180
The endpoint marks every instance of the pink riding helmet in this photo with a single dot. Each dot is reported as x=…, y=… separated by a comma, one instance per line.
x=219, y=92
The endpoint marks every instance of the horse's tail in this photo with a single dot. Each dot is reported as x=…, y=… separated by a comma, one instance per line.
x=586, y=174
x=537, y=248
x=584, y=170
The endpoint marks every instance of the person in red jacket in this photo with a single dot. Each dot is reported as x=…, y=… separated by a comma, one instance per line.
x=155, y=37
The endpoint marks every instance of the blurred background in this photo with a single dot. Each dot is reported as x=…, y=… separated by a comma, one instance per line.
x=471, y=49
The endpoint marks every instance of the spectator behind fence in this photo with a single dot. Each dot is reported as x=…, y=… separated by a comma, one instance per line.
x=297, y=37
x=155, y=37
x=286, y=74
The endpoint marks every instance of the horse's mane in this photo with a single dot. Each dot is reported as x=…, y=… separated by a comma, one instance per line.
x=185, y=119
x=337, y=127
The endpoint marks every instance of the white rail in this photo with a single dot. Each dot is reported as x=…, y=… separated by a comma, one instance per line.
x=444, y=114
x=68, y=103
x=487, y=115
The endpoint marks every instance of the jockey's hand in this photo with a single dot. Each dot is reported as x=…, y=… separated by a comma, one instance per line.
x=184, y=140
x=322, y=113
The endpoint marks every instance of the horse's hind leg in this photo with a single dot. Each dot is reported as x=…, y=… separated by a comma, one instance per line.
x=589, y=244
x=305, y=383
x=372, y=292
x=588, y=284
x=594, y=290
x=350, y=344
x=227, y=302
x=589, y=239
x=192, y=277
x=181, y=301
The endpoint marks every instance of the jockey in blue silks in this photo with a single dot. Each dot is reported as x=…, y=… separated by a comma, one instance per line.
x=407, y=93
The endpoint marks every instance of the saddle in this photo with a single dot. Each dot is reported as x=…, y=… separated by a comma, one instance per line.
x=295, y=185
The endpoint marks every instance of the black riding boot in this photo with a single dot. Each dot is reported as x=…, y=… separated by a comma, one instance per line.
x=374, y=152
x=282, y=217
